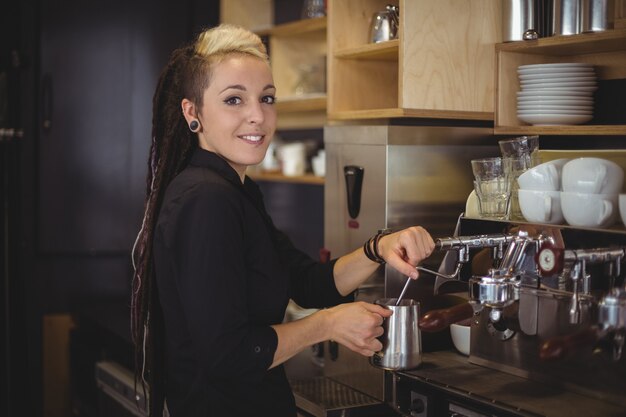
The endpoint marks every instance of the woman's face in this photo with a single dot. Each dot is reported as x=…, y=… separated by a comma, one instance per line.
x=238, y=116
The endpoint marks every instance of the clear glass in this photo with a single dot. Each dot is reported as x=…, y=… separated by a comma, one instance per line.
x=519, y=154
x=492, y=183
x=313, y=8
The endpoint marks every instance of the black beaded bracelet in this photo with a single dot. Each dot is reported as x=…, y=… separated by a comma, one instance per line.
x=370, y=247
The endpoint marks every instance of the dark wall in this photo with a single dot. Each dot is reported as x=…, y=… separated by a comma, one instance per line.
x=91, y=69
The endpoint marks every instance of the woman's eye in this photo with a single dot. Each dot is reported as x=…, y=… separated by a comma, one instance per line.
x=231, y=101
x=268, y=99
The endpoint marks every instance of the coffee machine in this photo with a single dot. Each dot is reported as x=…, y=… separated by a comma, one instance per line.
x=551, y=307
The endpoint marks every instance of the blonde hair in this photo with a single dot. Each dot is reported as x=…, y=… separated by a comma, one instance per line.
x=226, y=39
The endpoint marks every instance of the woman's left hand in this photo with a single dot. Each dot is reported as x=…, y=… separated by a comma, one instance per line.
x=405, y=249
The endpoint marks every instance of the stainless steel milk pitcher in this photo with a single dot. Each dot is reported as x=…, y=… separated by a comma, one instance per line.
x=402, y=342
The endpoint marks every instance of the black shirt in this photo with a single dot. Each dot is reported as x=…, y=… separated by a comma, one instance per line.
x=224, y=275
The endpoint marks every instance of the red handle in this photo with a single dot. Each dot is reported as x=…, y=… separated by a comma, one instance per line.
x=438, y=320
x=562, y=346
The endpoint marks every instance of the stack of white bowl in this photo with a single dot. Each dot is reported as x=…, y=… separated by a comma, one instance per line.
x=591, y=188
x=556, y=94
x=584, y=192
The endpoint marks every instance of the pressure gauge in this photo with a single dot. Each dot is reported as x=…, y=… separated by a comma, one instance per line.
x=549, y=259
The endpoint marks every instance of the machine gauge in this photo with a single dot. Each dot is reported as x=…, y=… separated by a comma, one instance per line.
x=549, y=259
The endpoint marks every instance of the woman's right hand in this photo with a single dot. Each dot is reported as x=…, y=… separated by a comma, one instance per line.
x=357, y=326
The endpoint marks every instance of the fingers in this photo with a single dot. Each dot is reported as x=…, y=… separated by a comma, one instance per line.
x=404, y=250
x=358, y=325
x=378, y=310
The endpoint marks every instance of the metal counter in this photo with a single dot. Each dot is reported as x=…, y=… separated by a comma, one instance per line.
x=447, y=376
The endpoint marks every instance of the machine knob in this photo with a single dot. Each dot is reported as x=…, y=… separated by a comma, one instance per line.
x=549, y=259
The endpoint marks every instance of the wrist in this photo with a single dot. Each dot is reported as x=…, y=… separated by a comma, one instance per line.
x=370, y=247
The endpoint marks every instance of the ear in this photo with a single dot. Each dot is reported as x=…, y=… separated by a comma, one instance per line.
x=189, y=110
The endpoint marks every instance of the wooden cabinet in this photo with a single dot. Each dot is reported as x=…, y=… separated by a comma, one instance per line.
x=297, y=49
x=606, y=50
x=441, y=65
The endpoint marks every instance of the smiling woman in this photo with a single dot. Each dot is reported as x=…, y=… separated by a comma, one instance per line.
x=213, y=274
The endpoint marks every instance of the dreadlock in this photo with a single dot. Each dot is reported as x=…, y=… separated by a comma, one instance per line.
x=186, y=75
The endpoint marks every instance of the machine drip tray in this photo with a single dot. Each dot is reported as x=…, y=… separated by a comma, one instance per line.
x=324, y=397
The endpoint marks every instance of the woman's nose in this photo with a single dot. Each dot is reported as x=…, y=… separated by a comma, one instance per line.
x=256, y=114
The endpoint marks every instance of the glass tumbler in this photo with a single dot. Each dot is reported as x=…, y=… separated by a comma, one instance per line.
x=520, y=154
x=492, y=184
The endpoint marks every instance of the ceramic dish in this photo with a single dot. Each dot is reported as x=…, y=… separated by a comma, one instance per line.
x=544, y=106
x=559, y=65
x=557, y=75
x=566, y=101
x=539, y=111
x=559, y=80
x=586, y=92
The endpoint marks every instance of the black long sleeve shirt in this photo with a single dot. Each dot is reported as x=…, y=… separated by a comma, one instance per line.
x=224, y=275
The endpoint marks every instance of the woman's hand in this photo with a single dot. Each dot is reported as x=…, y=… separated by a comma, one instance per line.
x=357, y=326
x=405, y=249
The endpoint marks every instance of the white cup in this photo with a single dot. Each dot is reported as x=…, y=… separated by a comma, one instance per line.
x=541, y=206
x=622, y=207
x=546, y=176
x=293, y=157
x=592, y=176
x=318, y=163
x=589, y=210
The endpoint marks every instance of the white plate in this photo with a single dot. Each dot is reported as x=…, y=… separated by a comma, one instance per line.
x=560, y=80
x=556, y=75
x=555, y=119
x=574, y=91
x=560, y=71
x=556, y=100
x=557, y=65
x=522, y=113
x=552, y=107
x=559, y=84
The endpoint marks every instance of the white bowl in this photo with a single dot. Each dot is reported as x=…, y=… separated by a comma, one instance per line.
x=622, y=207
x=592, y=176
x=461, y=337
x=589, y=210
x=545, y=176
x=541, y=206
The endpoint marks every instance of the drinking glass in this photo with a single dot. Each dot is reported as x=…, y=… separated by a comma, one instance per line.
x=492, y=184
x=519, y=154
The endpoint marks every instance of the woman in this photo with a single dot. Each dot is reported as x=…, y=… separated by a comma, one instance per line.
x=213, y=275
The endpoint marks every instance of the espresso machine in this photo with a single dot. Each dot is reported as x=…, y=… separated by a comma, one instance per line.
x=548, y=304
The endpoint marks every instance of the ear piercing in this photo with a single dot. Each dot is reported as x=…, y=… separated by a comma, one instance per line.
x=194, y=126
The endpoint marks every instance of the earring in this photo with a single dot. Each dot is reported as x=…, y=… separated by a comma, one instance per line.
x=194, y=126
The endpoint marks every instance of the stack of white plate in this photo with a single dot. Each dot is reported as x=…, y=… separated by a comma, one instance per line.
x=556, y=94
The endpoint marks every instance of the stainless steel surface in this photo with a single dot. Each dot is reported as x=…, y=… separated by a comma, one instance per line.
x=385, y=24
x=597, y=15
x=323, y=397
x=402, y=342
x=566, y=15
x=448, y=376
x=509, y=337
x=405, y=169
x=518, y=16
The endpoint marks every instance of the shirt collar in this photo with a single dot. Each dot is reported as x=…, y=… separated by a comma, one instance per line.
x=207, y=159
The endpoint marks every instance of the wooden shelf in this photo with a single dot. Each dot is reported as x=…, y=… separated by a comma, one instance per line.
x=310, y=102
x=298, y=27
x=398, y=113
x=309, y=179
x=384, y=51
x=584, y=43
x=605, y=50
x=586, y=130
